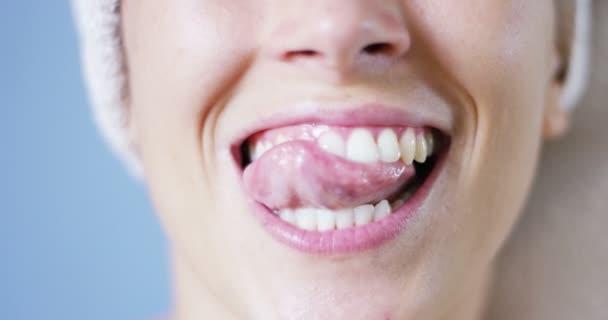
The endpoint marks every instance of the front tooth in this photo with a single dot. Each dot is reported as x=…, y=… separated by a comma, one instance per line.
x=430, y=142
x=388, y=146
x=421, y=149
x=287, y=215
x=361, y=147
x=326, y=220
x=345, y=218
x=363, y=214
x=306, y=219
x=333, y=143
x=407, y=144
x=382, y=210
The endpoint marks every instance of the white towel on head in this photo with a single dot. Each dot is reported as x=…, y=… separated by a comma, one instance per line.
x=102, y=58
x=578, y=72
x=102, y=63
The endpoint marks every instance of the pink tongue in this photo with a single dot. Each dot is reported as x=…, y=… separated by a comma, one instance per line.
x=299, y=174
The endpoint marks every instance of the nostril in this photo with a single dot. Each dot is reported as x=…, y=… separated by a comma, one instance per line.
x=380, y=48
x=306, y=53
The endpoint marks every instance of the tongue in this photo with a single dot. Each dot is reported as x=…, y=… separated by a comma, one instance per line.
x=299, y=174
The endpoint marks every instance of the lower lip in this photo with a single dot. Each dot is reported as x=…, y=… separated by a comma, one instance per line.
x=352, y=240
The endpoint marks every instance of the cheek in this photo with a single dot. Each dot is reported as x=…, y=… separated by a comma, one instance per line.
x=184, y=54
x=181, y=58
x=179, y=63
x=508, y=91
x=504, y=72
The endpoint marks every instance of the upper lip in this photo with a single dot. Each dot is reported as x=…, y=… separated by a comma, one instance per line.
x=365, y=114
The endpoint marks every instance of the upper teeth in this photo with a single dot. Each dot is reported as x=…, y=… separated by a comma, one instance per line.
x=408, y=143
x=332, y=142
x=388, y=146
x=257, y=149
x=362, y=147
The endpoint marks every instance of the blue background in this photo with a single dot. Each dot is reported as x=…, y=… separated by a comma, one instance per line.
x=78, y=238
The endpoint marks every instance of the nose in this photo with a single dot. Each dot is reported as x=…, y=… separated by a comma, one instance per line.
x=338, y=35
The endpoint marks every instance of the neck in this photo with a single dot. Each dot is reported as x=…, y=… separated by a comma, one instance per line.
x=193, y=300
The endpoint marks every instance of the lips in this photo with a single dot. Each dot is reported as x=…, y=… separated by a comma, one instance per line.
x=339, y=188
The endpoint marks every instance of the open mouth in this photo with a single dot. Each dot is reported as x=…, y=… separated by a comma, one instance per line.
x=334, y=189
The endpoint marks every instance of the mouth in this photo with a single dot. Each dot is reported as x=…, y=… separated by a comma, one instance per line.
x=336, y=188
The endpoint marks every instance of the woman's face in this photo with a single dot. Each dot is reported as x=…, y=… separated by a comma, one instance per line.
x=266, y=127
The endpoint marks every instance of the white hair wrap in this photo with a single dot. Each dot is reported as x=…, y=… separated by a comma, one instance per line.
x=578, y=71
x=103, y=67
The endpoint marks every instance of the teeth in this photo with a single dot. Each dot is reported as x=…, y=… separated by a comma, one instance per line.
x=382, y=210
x=407, y=145
x=401, y=201
x=332, y=143
x=281, y=139
x=397, y=204
x=318, y=130
x=421, y=149
x=257, y=149
x=287, y=215
x=311, y=219
x=388, y=146
x=306, y=219
x=253, y=151
x=364, y=214
x=430, y=141
x=266, y=146
x=345, y=218
x=326, y=220
x=361, y=147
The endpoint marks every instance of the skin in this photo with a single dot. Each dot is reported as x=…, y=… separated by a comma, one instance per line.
x=200, y=72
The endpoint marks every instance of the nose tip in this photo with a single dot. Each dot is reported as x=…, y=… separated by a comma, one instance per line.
x=340, y=34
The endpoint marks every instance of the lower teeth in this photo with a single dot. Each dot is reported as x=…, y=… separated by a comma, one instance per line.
x=315, y=219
